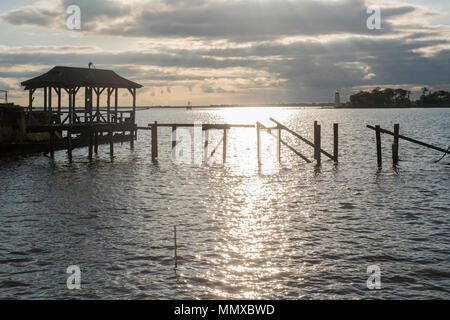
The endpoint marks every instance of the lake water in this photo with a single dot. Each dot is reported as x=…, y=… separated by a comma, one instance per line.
x=289, y=231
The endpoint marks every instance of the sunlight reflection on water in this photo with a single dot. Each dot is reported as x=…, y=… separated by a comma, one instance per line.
x=289, y=230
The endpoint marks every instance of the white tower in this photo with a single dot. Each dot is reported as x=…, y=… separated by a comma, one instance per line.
x=337, y=99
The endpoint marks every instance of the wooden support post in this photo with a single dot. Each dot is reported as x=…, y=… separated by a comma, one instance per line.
x=50, y=99
x=111, y=143
x=59, y=101
x=175, y=246
x=52, y=143
x=224, y=146
x=395, y=144
x=206, y=148
x=378, y=141
x=45, y=99
x=317, y=143
x=133, y=118
x=155, y=142
x=174, y=142
x=95, y=141
x=97, y=91
x=279, y=145
x=258, y=142
x=116, y=103
x=69, y=144
x=336, y=142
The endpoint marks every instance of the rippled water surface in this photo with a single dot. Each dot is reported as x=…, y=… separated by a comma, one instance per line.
x=289, y=231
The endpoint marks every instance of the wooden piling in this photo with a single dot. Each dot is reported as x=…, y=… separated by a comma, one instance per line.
x=52, y=143
x=258, y=142
x=206, y=148
x=69, y=144
x=336, y=142
x=224, y=146
x=174, y=142
x=279, y=145
x=155, y=141
x=378, y=141
x=395, y=144
x=111, y=144
x=96, y=141
x=317, y=143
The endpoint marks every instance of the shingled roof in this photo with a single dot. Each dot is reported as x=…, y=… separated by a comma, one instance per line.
x=68, y=77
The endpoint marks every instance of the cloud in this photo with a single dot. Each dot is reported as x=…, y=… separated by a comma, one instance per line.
x=288, y=50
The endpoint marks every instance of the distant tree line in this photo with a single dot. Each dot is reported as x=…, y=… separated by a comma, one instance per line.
x=397, y=98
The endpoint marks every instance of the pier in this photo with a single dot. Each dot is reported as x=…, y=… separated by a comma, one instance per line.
x=86, y=126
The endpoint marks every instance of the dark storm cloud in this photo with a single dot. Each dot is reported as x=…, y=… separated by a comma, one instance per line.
x=233, y=20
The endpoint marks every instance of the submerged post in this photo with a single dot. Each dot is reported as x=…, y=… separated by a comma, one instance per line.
x=378, y=140
x=395, y=145
x=336, y=142
x=224, y=151
x=174, y=142
x=206, y=148
x=279, y=145
x=155, y=141
x=258, y=142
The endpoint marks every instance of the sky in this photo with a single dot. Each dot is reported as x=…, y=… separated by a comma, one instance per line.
x=229, y=51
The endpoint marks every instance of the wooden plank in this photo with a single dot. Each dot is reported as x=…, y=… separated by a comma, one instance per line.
x=204, y=126
x=395, y=144
x=317, y=143
x=378, y=141
x=300, y=137
x=224, y=146
x=336, y=142
x=410, y=139
x=289, y=147
x=155, y=142
x=258, y=142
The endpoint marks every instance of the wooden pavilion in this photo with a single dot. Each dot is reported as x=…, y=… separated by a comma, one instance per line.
x=85, y=121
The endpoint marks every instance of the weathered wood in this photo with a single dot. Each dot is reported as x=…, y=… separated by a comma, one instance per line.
x=155, y=142
x=287, y=145
x=336, y=142
x=174, y=142
x=378, y=142
x=133, y=117
x=69, y=144
x=95, y=141
x=395, y=144
x=410, y=139
x=279, y=145
x=219, y=126
x=206, y=148
x=111, y=143
x=45, y=99
x=224, y=146
x=317, y=143
x=300, y=137
x=258, y=142
x=50, y=99
x=175, y=246
x=52, y=143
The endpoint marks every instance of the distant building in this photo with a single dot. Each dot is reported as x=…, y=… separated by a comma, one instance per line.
x=337, y=99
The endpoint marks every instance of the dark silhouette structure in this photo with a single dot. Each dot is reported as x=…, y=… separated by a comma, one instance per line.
x=85, y=121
